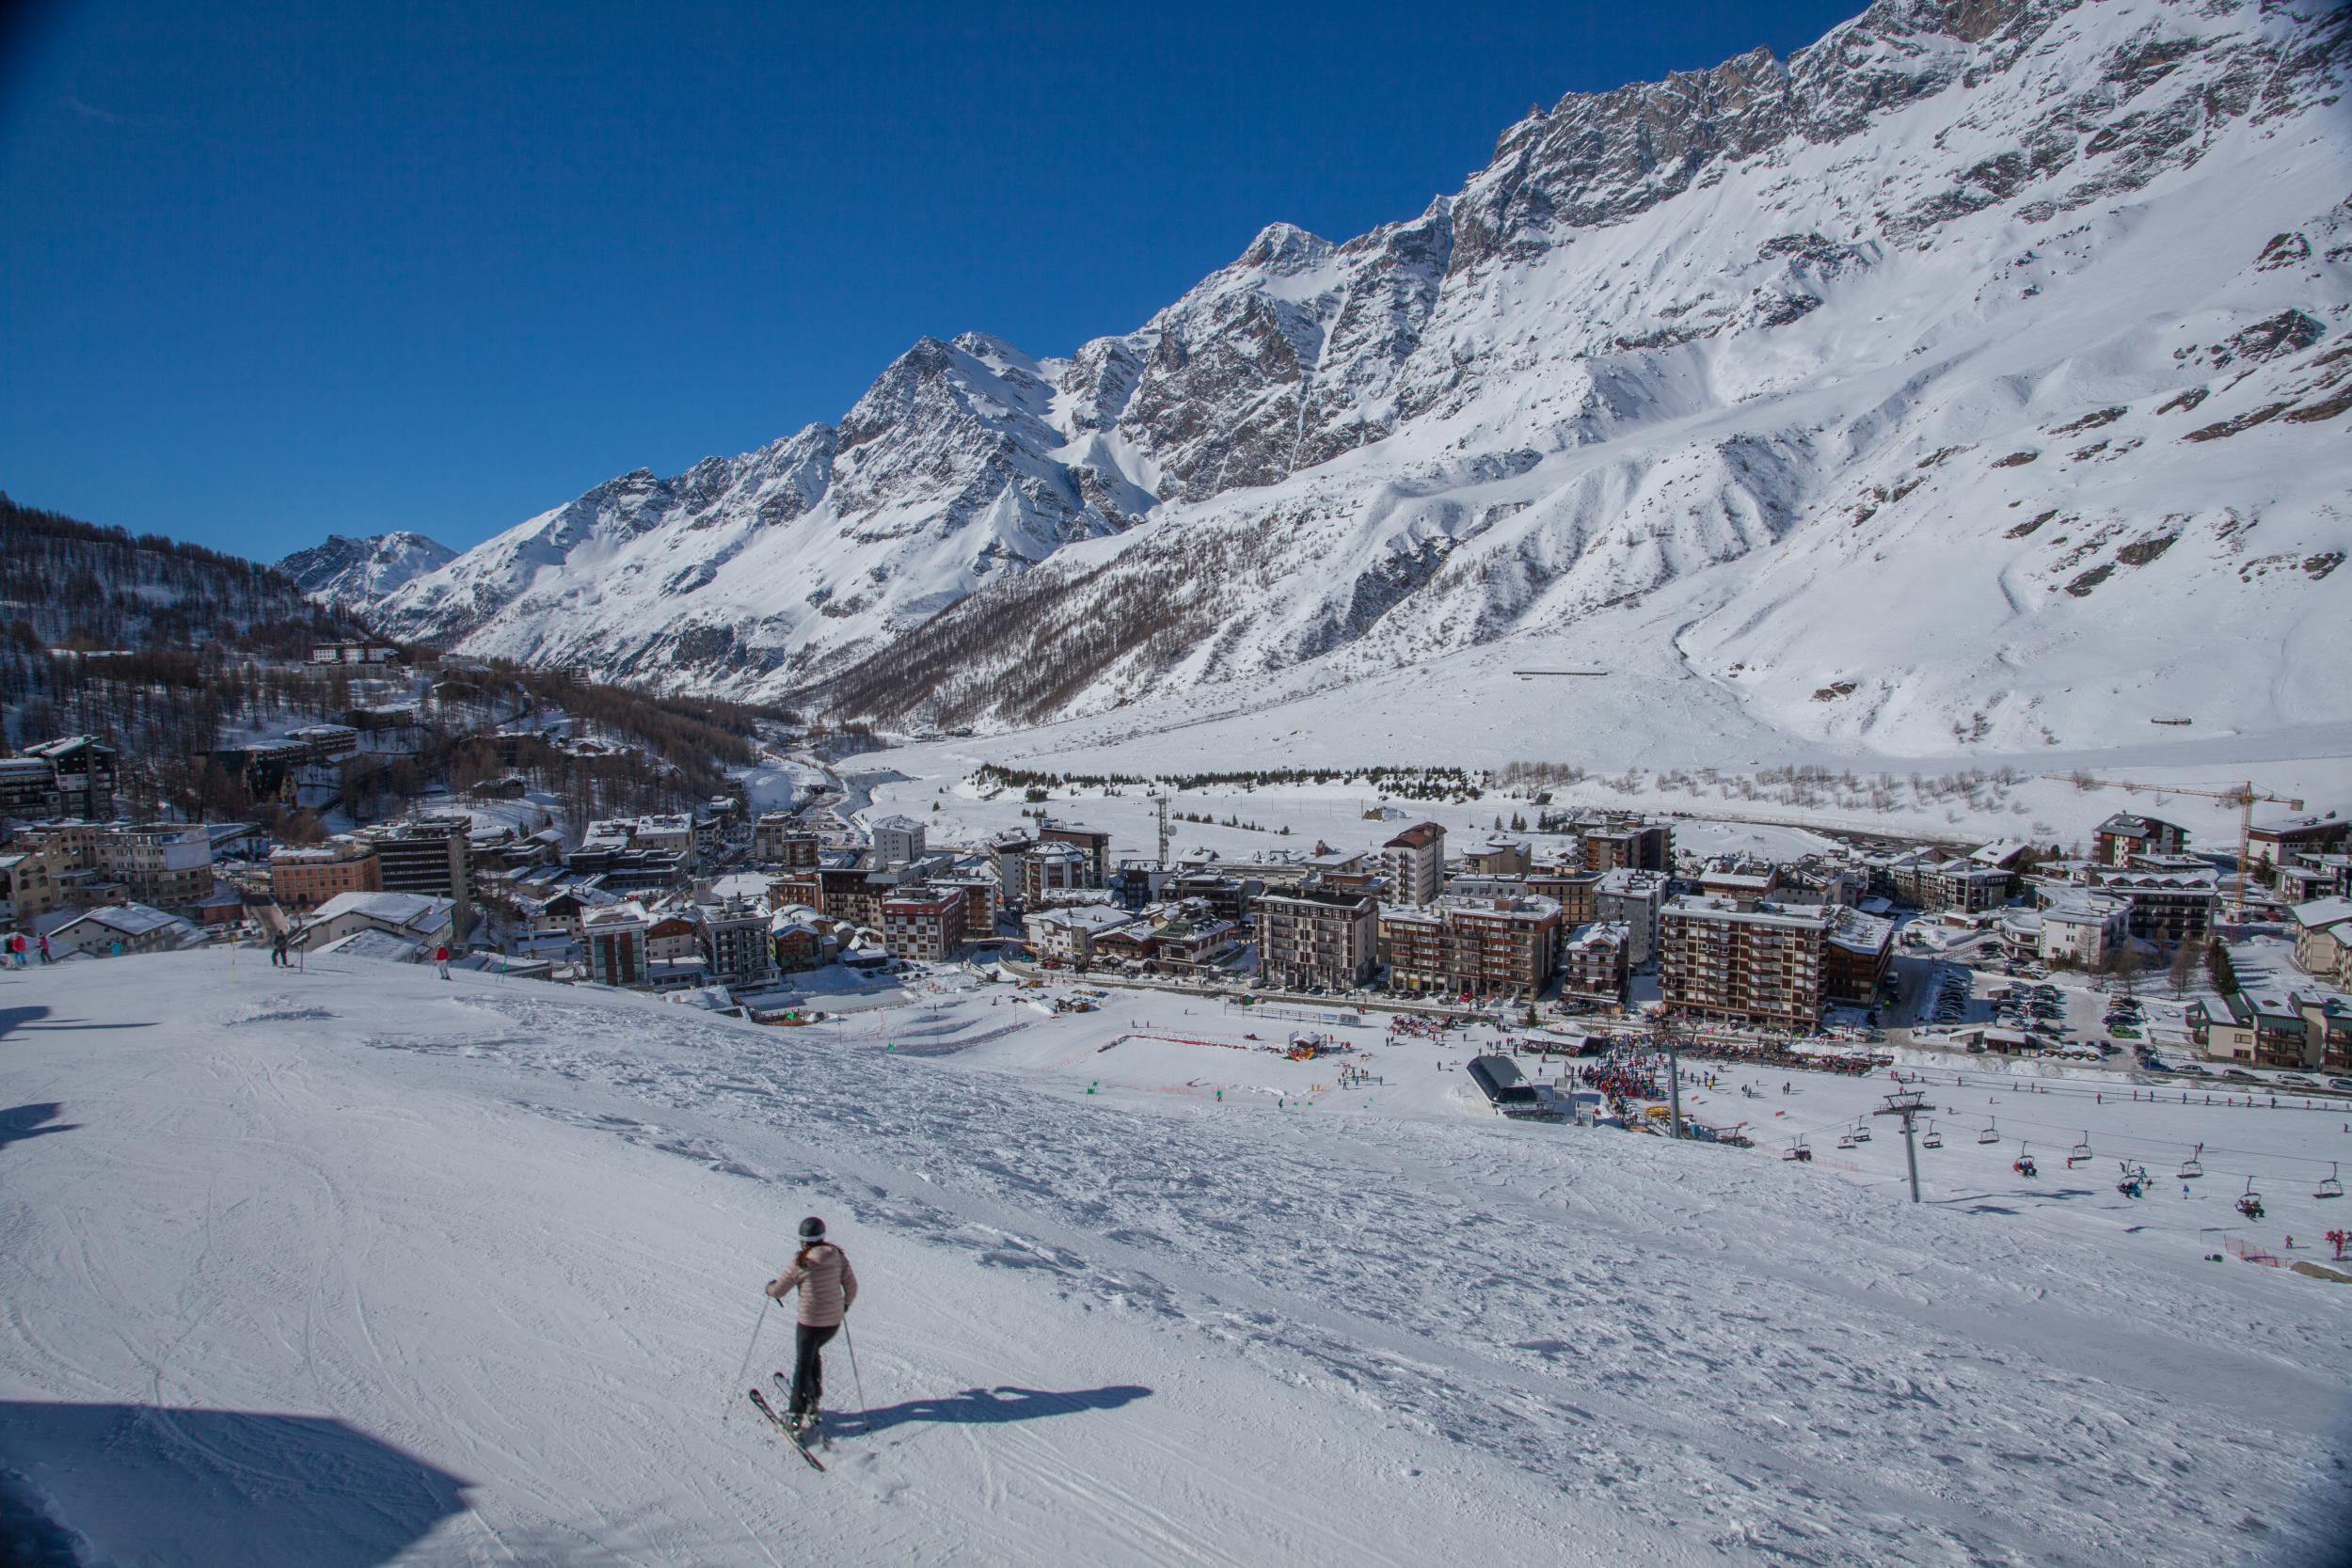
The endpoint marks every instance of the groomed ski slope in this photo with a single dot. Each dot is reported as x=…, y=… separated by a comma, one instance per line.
x=357, y=1267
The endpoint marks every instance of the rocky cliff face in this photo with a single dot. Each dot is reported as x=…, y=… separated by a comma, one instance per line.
x=347, y=573
x=1755, y=337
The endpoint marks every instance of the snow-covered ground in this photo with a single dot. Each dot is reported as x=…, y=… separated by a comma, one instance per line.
x=359, y=1267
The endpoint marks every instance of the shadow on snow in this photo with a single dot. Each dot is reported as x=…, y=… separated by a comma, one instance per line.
x=232, y=1488
x=990, y=1406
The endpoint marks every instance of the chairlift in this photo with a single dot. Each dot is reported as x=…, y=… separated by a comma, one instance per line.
x=1862, y=1131
x=1934, y=1139
x=1991, y=1133
x=2193, y=1167
x=2330, y=1187
x=1803, y=1151
x=2134, y=1182
x=2080, y=1153
x=2023, y=1164
x=1845, y=1140
x=2250, y=1203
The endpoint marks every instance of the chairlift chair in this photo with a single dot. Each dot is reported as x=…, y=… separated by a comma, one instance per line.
x=1934, y=1139
x=2330, y=1187
x=2250, y=1203
x=1845, y=1140
x=1862, y=1131
x=1991, y=1133
x=2023, y=1164
x=1803, y=1151
x=2193, y=1167
x=2080, y=1153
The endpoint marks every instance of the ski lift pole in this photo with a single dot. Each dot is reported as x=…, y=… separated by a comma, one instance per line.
x=1907, y=1103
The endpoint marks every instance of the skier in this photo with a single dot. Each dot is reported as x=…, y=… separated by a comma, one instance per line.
x=440, y=956
x=16, y=948
x=45, y=947
x=828, y=1286
x=277, y=952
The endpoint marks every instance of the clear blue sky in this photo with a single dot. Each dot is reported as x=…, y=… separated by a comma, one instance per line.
x=269, y=271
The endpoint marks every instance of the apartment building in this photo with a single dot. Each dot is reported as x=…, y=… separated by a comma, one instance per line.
x=2164, y=905
x=779, y=840
x=1634, y=899
x=1572, y=889
x=1625, y=844
x=898, y=841
x=734, y=940
x=1414, y=860
x=306, y=877
x=427, y=854
x=1313, y=936
x=1753, y=963
x=2125, y=834
x=925, y=923
x=1475, y=946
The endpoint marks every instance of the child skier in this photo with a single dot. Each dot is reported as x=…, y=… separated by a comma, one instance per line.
x=822, y=1272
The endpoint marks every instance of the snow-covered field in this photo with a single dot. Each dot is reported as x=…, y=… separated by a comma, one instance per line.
x=359, y=1267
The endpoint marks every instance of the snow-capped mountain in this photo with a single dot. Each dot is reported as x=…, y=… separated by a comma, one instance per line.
x=347, y=573
x=1919, y=390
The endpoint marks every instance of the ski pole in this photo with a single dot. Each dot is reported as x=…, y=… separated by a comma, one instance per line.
x=855, y=1376
x=745, y=1370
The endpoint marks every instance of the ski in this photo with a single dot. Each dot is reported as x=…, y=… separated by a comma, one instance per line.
x=800, y=1447
x=783, y=1387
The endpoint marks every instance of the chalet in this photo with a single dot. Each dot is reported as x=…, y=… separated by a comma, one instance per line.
x=795, y=940
x=121, y=928
x=1132, y=943
x=670, y=935
x=414, y=916
x=1593, y=964
x=1068, y=934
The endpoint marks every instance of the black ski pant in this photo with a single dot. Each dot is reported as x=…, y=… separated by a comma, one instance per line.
x=809, y=1368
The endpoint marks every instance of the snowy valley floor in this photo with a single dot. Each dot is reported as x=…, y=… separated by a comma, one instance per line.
x=357, y=1267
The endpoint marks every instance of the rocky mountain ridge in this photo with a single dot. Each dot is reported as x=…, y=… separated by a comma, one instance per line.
x=347, y=573
x=1926, y=306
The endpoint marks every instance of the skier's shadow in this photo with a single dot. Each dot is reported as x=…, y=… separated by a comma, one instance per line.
x=991, y=1406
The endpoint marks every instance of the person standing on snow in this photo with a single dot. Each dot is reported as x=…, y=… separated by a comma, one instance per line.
x=822, y=1272
x=440, y=956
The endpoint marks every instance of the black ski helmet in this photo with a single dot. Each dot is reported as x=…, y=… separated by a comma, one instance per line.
x=812, y=1229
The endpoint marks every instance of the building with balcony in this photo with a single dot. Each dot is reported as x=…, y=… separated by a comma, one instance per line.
x=1317, y=937
x=1752, y=963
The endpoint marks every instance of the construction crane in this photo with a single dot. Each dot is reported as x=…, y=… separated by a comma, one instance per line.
x=2242, y=795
